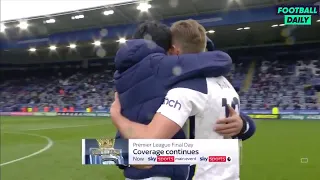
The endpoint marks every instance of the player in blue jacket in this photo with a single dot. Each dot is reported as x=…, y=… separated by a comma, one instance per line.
x=144, y=72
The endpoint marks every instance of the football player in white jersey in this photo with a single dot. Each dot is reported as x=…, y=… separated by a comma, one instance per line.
x=202, y=100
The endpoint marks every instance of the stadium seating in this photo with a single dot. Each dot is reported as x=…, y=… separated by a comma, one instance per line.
x=80, y=90
x=283, y=83
x=286, y=84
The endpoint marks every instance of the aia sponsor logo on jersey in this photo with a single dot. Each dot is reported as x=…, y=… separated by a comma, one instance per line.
x=172, y=103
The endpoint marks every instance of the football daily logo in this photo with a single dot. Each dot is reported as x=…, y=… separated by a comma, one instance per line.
x=299, y=14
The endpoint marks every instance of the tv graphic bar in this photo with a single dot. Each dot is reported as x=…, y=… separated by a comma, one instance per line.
x=104, y=151
x=183, y=151
x=133, y=152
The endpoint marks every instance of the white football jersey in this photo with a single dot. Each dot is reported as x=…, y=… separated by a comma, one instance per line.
x=203, y=101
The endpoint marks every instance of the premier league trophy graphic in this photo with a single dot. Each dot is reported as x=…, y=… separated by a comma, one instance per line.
x=106, y=154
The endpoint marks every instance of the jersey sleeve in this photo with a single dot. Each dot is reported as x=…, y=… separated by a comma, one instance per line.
x=181, y=103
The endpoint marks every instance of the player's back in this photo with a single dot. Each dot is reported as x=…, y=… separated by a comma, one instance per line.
x=220, y=94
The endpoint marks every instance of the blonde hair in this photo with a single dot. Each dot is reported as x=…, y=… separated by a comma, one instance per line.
x=190, y=35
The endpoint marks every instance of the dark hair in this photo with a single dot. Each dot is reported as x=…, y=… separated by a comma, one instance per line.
x=157, y=32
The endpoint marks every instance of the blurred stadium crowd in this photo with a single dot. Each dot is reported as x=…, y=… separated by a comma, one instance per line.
x=288, y=83
x=58, y=91
x=284, y=84
x=262, y=85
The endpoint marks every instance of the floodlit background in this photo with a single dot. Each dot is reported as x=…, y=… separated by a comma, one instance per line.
x=22, y=9
x=56, y=81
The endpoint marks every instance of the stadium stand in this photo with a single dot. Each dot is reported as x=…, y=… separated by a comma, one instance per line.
x=283, y=83
x=56, y=81
x=263, y=81
x=60, y=89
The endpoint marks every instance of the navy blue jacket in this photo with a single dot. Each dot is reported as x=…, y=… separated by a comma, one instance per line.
x=143, y=75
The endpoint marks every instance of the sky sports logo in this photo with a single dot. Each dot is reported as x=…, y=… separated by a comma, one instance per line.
x=161, y=159
x=215, y=159
x=172, y=103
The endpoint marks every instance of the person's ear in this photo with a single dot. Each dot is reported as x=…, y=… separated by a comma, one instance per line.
x=175, y=50
x=170, y=51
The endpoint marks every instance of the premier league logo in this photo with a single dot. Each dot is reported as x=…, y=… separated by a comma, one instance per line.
x=106, y=154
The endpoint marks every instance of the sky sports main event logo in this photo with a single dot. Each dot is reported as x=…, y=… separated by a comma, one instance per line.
x=172, y=159
x=298, y=15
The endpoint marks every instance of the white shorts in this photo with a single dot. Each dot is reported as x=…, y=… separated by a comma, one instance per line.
x=152, y=178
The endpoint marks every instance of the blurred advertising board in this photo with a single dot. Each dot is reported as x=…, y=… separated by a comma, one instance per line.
x=101, y=114
x=300, y=117
x=21, y=114
x=264, y=116
x=45, y=114
x=5, y=113
x=84, y=114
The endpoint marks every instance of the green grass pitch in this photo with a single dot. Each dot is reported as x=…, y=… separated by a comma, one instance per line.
x=274, y=153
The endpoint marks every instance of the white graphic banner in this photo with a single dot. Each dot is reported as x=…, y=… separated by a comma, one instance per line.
x=183, y=151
